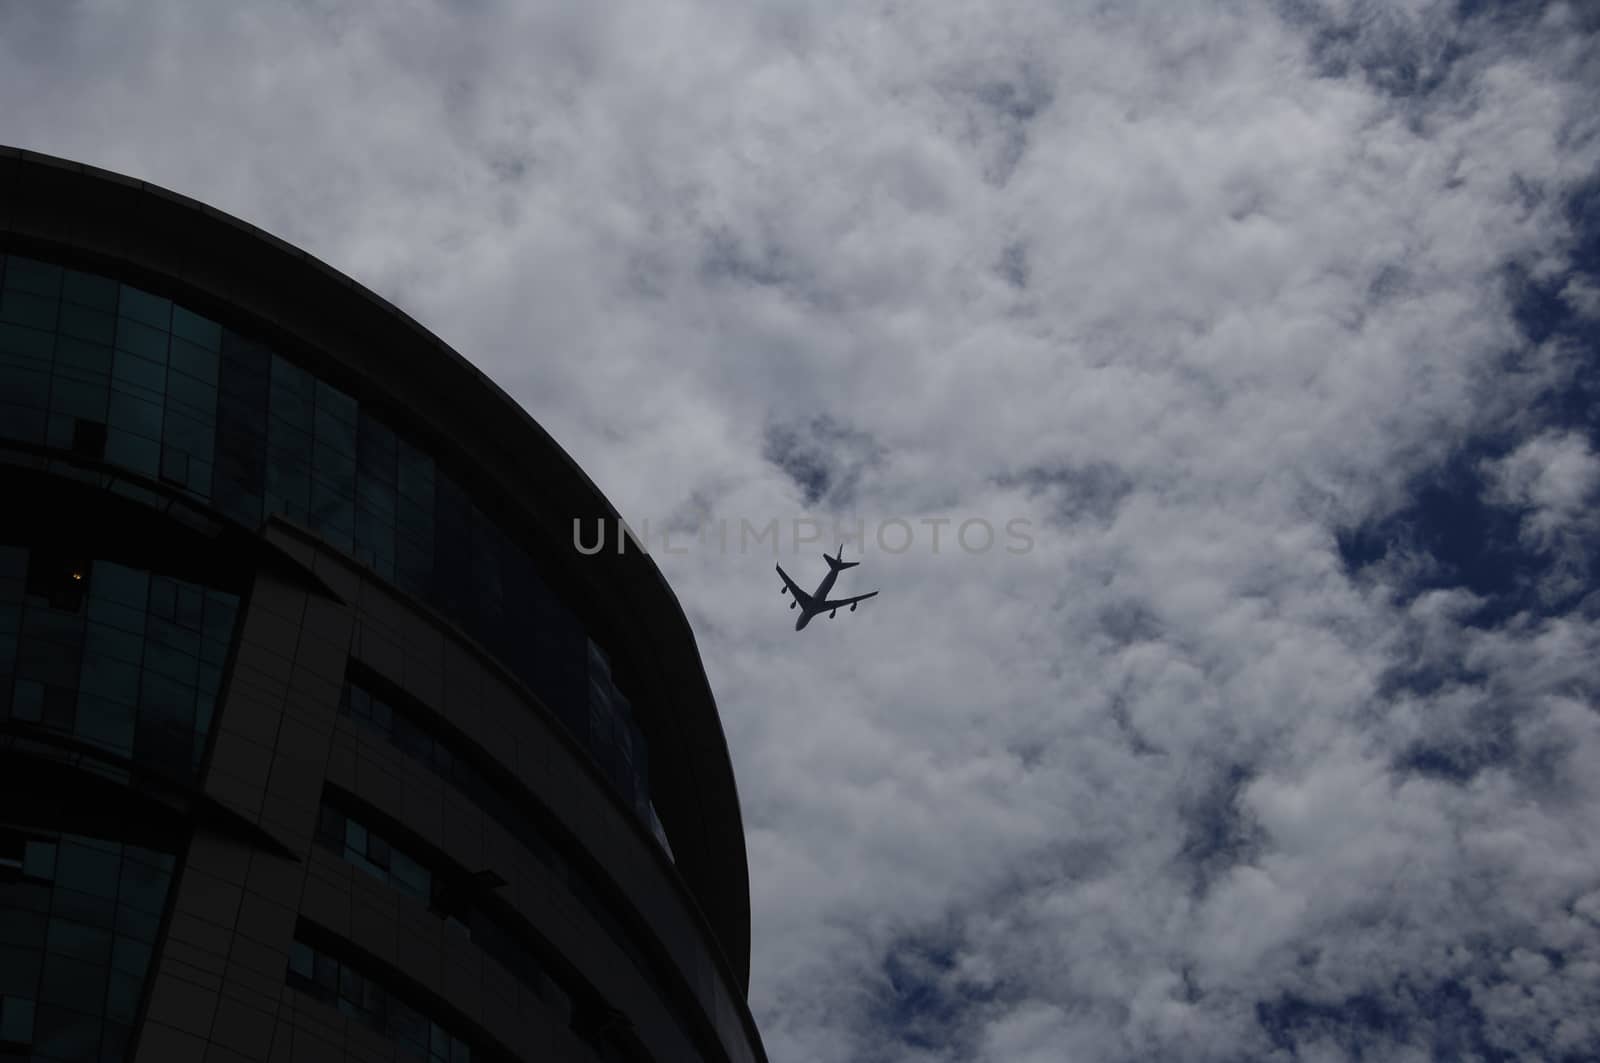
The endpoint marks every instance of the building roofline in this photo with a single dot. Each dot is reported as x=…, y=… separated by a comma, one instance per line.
x=220, y=263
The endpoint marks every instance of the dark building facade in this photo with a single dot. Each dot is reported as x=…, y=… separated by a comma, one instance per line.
x=319, y=740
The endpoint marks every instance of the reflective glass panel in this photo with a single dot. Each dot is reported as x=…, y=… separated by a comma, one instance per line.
x=67, y=963
x=113, y=372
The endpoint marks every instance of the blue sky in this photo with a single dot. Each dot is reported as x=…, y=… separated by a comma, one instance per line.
x=1276, y=322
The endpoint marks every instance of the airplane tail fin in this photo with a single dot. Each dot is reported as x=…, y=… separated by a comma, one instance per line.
x=839, y=564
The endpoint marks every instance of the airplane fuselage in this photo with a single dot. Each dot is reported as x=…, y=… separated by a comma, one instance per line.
x=821, y=595
x=817, y=601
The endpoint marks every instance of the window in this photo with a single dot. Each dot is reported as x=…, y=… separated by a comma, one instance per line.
x=415, y=734
x=175, y=466
x=413, y=730
x=75, y=947
x=27, y=701
x=16, y=1021
x=333, y=471
x=112, y=373
x=24, y=308
x=375, y=1001
x=142, y=307
x=450, y=892
x=367, y=849
x=243, y=390
x=121, y=658
x=28, y=275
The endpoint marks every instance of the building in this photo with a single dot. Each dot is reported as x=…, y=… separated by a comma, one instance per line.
x=318, y=738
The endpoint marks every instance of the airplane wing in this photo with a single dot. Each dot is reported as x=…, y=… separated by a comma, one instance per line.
x=840, y=603
x=799, y=595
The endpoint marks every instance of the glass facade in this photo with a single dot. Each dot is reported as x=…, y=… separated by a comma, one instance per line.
x=411, y=729
x=356, y=993
x=448, y=891
x=190, y=414
x=368, y=849
x=78, y=920
x=116, y=374
x=126, y=660
x=616, y=743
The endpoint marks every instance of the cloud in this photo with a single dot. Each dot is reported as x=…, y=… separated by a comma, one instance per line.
x=1213, y=295
x=1551, y=480
x=826, y=460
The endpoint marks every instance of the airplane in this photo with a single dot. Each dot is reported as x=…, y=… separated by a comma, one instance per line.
x=817, y=602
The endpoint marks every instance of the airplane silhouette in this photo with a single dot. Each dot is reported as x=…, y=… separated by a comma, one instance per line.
x=817, y=601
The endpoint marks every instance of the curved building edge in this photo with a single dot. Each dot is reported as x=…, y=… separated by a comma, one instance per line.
x=143, y=234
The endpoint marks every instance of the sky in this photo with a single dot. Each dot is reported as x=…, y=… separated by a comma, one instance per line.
x=1275, y=325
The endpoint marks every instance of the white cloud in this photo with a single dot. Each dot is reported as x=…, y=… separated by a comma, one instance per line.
x=1552, y=479
x=1553, y=475
x=1196, y=288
